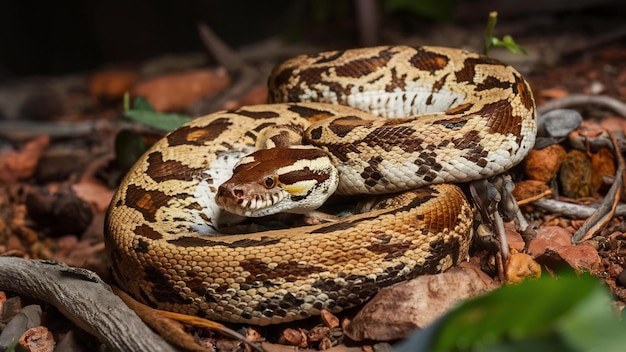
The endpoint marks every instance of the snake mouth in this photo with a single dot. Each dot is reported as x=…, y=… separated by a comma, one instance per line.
x=248, y=203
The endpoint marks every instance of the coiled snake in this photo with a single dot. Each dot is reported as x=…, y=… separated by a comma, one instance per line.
x=466, y=117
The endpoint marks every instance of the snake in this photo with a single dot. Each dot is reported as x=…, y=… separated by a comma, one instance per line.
x=402, y=124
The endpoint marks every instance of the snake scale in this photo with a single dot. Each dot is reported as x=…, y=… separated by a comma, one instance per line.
x=389, y=119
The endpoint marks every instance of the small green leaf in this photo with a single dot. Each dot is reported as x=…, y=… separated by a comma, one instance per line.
x=141, y=103
x=508, y=43
x=593, y=324
x=157, y=120
x=144, y=113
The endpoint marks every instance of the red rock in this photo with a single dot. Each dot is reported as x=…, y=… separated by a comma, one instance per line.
x=543, y=164
x=549, y=237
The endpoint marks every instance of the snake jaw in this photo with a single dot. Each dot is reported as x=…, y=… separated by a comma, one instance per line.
x=249, y=199
x=294, y=180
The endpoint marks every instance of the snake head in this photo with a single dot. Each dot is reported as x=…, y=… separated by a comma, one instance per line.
x=297, y=179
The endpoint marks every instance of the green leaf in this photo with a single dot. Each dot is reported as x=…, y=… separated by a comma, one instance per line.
x=142, y=104
x=593, y=324
x=157, y=120
x=508, y=43
x=532, y=313
x=144, y=113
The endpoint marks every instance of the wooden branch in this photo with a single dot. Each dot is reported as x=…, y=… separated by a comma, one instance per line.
x=83, y=298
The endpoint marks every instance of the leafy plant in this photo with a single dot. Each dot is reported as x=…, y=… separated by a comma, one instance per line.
x=144, y=113
x=506, y=41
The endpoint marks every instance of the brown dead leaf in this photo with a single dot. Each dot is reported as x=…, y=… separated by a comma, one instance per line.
x=112, y=83
x=93, y=192
x=255, y=96
x=397, y=310
x=175, y=92
x=16, y=165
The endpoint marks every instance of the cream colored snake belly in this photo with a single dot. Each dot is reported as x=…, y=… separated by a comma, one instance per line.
x=463, y=117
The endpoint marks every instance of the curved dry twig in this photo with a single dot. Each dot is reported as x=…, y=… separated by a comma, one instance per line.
x=583, y=99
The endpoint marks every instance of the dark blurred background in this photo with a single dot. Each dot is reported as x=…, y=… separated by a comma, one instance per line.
x=57, y=37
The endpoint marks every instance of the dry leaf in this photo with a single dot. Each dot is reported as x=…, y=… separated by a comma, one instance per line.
x=175, y=92
x=15, y=165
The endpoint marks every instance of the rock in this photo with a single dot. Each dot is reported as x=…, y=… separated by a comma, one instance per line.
x=543, y=164
x=397, y=310
x=575, y=175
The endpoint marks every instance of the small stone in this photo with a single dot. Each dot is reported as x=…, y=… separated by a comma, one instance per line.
x=543, y=164
x=329, y=319
x=575, y=175
x=602, y=165
x=521, y=266
x=552, y=247
x=295, y=337
x=37, y=339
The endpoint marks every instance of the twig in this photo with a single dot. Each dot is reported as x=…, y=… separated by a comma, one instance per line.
x=583, y=99
x=84, y=299
x=571, y=210
x=606, y=211
x=532, y=199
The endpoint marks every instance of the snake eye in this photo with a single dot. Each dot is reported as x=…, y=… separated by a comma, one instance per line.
x=268, y=182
